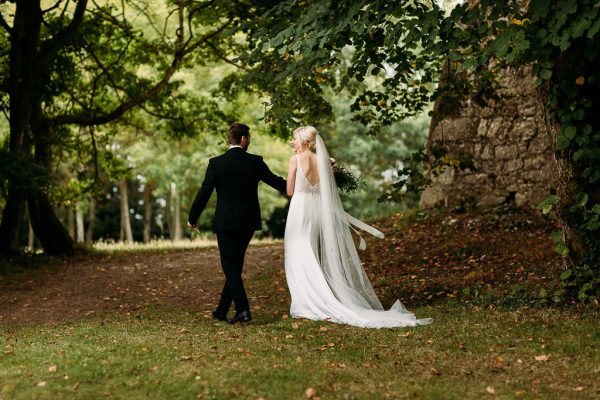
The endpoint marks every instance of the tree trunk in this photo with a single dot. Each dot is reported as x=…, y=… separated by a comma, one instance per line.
x=26, y=86
x=79, y=223
x=30, y=238
x=148, y=198
x=568, y=187
x=48, y=229
x=71, y=222
x=89, y=234
x=177, y=214
x=11, y=220
x=23, y=93
x=582, y=243
x=125, y=233
x=169, y=214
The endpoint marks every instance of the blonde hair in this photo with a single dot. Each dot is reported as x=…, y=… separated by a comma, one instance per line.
x=308, y=137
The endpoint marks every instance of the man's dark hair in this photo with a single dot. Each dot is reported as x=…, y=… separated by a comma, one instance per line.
x=236, y=131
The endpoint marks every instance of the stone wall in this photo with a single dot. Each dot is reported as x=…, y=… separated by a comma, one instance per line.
x=507, y=141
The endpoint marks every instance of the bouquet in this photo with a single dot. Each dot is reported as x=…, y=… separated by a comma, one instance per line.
x=345, y=179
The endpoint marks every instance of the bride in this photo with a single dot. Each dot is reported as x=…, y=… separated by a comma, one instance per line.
x=323, y=271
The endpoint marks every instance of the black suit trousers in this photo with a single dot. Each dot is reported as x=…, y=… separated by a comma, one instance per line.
x=232, y=248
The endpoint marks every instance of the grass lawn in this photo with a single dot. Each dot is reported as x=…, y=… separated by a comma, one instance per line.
x=468, y=352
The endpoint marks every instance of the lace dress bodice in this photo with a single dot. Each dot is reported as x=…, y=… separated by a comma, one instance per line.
x=302, y=184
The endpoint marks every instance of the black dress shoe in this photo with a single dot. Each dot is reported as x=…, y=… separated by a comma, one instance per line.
x=242, y=316
x=219, y=316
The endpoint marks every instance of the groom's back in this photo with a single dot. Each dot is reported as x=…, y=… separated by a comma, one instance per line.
x=237, y=174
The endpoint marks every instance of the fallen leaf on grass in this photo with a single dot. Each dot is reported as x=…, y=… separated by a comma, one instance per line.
x=323, y=328
x=41, y=384
x=578, y=389
x=52, y=368
x=490, y=390
x=7, y=388
x=310, y=393
x=542, y=357
x=75, y=386
x=295, y=325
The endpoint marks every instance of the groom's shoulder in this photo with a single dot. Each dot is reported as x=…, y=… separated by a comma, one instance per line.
x=255, y=157
x=217, y=158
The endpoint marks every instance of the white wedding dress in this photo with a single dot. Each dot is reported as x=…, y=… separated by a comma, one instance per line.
x=323, y=271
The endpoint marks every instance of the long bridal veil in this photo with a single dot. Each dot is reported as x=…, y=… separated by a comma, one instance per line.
x=339, y=259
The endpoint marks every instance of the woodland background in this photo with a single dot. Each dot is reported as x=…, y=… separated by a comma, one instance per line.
x=111, y=110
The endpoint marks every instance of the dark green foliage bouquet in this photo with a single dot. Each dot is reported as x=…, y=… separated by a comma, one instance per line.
x=345, y=179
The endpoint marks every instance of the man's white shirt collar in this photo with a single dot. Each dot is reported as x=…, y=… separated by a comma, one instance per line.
x=231, y=146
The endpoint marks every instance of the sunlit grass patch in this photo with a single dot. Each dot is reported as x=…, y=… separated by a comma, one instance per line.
x=163, y=244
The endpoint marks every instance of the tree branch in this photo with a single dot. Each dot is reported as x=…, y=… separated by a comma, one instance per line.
x=58, y=40
x=53, y=7
x=88, y=120
x=222, y=56
x=188, y=49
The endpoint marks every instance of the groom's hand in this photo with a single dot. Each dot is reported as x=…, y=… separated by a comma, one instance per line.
x=192, y=226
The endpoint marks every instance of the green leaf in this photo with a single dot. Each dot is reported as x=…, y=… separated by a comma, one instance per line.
x=522, y=45
x=545, y=74
x=548, y=203
x=501, y=45
x=455, y=56
x=562, y=249
x=579, y=114
x=468, y=64
x=580, y=27
x=556, y=236
x=566, y=274
x=593, y=30
x=570, y=132
x=561, y=142
x=581, y=199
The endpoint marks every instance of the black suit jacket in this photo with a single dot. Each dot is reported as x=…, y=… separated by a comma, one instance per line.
x=235, y=176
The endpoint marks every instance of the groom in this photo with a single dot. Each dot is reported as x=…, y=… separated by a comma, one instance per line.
x=235, y=176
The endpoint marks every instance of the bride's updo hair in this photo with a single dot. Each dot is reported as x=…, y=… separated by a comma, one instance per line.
x=308, y=137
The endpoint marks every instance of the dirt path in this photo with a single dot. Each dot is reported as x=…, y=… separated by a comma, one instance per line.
x=423, y=259
x=188, y=279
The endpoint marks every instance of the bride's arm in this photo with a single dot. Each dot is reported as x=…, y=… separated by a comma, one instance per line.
x=291, y=180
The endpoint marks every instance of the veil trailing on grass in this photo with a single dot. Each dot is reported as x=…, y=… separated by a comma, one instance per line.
x=339, y=259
